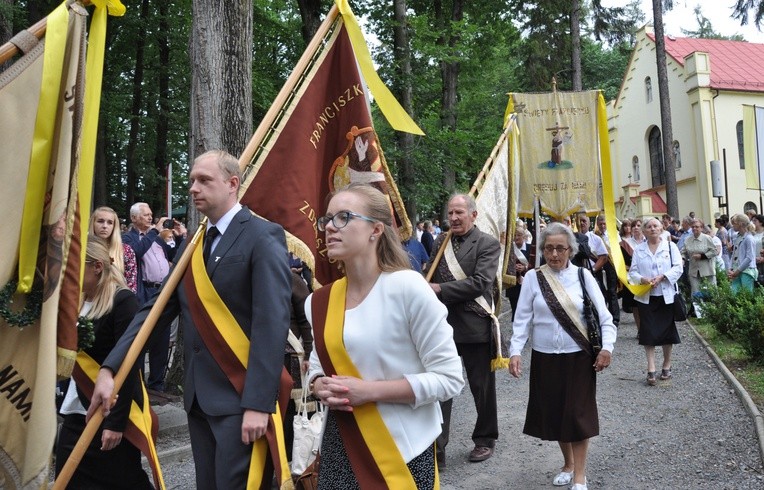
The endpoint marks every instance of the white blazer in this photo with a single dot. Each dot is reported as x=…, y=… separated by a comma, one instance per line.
x=646, y=264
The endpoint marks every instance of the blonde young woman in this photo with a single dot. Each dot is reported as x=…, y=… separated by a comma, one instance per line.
x=111, y=460
x=104, y=223
x=383, y=354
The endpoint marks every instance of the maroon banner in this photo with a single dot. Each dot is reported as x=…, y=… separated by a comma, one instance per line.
x=324, y=141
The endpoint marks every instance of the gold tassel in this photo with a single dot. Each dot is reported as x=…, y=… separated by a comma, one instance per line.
x=65, y=359
x=499, y=363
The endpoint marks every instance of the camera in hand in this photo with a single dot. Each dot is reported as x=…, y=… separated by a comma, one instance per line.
x=168, y=224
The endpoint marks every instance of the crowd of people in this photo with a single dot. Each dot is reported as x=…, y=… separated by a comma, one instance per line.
x=383, y=348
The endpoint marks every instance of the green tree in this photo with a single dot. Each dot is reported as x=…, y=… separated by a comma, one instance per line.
x=742, y=9
x=705, y=29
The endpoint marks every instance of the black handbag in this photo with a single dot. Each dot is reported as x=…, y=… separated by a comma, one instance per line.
x=680, y=306
x=592, y=318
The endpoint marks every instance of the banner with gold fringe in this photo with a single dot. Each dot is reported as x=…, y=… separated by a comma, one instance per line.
x=43, y=102
x=323, y=139
x=559, y=164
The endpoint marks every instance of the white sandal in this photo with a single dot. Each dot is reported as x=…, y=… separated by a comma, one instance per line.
x=563, y=478
x=580, y=486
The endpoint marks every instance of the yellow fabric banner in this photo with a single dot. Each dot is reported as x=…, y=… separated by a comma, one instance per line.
x=559, y=165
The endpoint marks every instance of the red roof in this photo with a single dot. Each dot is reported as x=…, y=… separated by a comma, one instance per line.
x=735, y=65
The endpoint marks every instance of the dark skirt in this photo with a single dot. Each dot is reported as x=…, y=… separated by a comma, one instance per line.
x=657, y=323
x=562, y=404
x=119, y=468
x=335, y=471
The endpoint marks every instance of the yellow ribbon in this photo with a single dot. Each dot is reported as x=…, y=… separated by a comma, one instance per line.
x=609, y=201
x=42, y=145
x=139, y=416
x=392, y=110
x=373, y=428
x=92, y=105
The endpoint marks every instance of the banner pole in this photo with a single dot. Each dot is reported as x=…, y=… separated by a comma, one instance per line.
x=131, y=357
x=473, y=190
x=289, y=85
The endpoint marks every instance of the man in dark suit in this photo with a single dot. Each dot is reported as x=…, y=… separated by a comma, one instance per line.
x=248, y=269
x=464, y=279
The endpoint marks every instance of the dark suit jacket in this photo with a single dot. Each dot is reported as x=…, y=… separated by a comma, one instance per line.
x=108, y=329
x=252, y=277
x=140, y=245
x=478, y=256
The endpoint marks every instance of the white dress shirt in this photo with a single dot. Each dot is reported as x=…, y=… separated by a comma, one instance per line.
x=534, y=317
x=645, y=263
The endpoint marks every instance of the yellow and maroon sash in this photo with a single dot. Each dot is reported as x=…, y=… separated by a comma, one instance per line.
x=373, y=454
x=142, y=426
x=229, y=346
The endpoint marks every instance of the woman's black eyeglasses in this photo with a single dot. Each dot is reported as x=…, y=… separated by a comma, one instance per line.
x=340, y=220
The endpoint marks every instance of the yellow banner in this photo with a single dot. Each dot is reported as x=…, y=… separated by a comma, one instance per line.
x=559, y=160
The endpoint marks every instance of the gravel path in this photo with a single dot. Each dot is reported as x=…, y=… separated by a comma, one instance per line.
x=691, y=432
x=688, y=433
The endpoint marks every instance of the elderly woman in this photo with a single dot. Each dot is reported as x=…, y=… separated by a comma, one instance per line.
x=383, y=356
x=657, y=262
x=562, y=404
x=743, y=270
x=700, y=251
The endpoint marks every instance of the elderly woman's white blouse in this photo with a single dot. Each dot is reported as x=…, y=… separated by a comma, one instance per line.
x=534, y=317
x=644, y=263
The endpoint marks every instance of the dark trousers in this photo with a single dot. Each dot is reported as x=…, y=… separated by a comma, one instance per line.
x=159, y=352
x=608, y=282
x=158, y=349
x=220, y=458
x=482, y=381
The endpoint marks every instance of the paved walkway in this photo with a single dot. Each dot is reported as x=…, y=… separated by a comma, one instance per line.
x=691, y=432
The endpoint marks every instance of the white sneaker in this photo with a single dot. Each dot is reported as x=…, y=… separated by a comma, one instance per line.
x=563, y=478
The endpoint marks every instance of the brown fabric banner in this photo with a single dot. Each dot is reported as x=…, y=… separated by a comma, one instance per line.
x=323, y=141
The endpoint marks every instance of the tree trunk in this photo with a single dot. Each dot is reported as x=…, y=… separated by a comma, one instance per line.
x=135, y=111
x=6, y=28
x=310, y=11
x=575, y=41
x=221, y=79
x=450, y=76
x=405, y=141
x=162, y=116
x=672, y=201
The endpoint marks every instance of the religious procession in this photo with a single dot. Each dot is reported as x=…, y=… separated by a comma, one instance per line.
x=214, y=307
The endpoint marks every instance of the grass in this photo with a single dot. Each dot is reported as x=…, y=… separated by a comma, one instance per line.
x=747, y=372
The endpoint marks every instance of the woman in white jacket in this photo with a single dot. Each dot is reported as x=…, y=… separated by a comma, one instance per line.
x=656, y=262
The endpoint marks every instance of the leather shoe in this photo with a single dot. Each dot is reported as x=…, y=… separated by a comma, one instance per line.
x=480, y=453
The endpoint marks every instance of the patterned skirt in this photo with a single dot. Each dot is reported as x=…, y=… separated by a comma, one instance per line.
x=336, y=473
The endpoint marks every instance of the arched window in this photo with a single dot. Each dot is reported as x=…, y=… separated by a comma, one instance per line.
x=740, y=147
x=677, y=155
x=635, y=168
x=648, y=90
x=657, y=169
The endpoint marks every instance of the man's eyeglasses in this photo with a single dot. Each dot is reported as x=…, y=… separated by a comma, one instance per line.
x=559, y=249
x=340, y=220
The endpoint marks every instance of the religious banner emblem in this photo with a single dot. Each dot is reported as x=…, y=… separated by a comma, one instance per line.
x=559, y=152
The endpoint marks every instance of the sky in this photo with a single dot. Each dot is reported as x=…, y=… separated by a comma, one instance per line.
x=719, y=12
